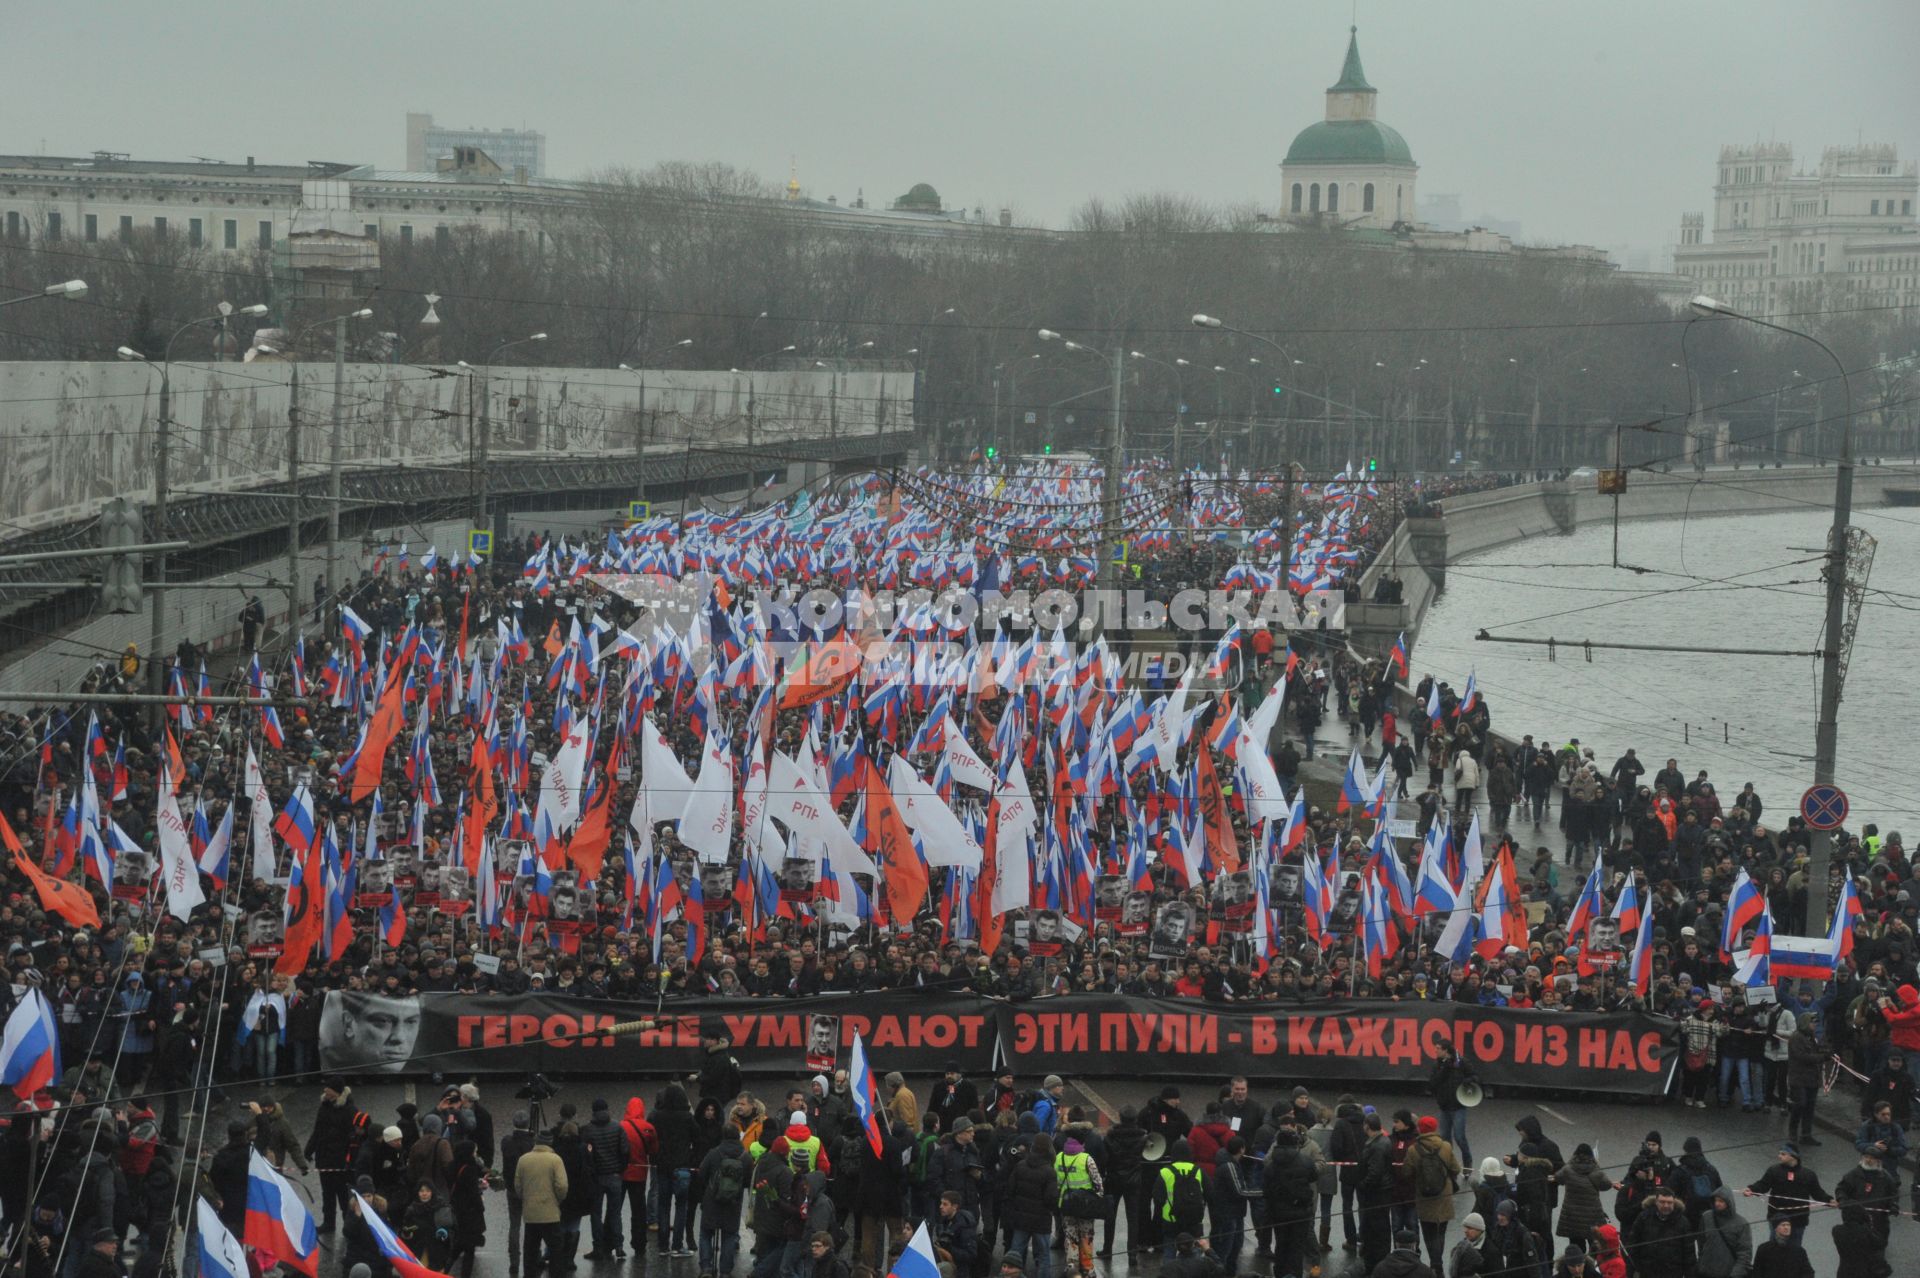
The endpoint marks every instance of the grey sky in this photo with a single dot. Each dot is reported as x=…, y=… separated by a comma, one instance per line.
x=1592, y=122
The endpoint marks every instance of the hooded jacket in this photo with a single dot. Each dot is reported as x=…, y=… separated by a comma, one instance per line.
x=1433, y=1209
x=606, y=1145
x=673, y=1123
x=641, y=1140
x=1726, y=1249
x=1584, y=1182
x=331, y=1144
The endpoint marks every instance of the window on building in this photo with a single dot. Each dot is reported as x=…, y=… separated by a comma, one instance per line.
x=1296, y=197
x=13, y=224
x=266, y=235
x=442, y=237
x=370, y=231
x=230, y=234
x=1876, y=209
x=53, y=226
x=90, y=228
x=126, y=229
x=1333, y=197
x=196, y=233
x=159, y=228
x=1366, y=198
x=1313, y=198
x=1906, y=206
x=406, y=234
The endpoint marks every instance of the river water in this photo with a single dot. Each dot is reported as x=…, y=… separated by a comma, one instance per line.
x=1732, y=581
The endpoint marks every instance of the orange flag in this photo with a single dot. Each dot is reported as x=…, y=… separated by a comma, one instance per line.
x=899, y=865
x=828, y=669
x=553, y=642
x=67, y=899
x=381, y=730
x=990, y=923
x=305, y=919
x=587, y=848
x=1213, y=807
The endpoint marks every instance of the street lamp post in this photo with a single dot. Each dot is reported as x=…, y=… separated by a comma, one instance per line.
x=162, y=444
x=1178, y=368
x=485, y=487
x=339, y=323
x=1826, y=731
x=72, y=290
x=641, y=423
x=1110, y=476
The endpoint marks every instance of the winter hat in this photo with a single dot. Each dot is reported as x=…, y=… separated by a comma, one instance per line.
x=1474, y=1220
x=1052, y=1081
x=1428, y=1123
x=469, y=1091
x=1653, y=1138
x=1299, y=1092
x=1491, y=1168
x=1169, y=1092
x=822, y=1082
x=522, y=1120
x=1722, y=1193
x=333, y=1083
x=1788, y=1147
x=360, y=1271
x=1583, y=1150
x=1073, y=1146
x=600, y=1106
x=962, y=1124
x=431, y=1125
x=1691, y=1145
x=1506, y=1207
x=798, y=1118
x=1406, y=1240
x=392, y=1133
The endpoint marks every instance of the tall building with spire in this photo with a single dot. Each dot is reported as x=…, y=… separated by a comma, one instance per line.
x=1349, y=170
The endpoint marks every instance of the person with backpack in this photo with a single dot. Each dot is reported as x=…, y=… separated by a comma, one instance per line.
x=1343, y=1148
x=1082, y=1200
x=920, y=1195
x=607, y=1158
x=672, y=1172
x=1289, y=1184
x=1122, y=1168
x=339, y=1128
x=1047, y=1105
x=1433, y=1169
x=1182, y=1197
x=1726, y=1247
x=722, y=1181
x=879, y=1191
x=1033, y=1191
x=1696, y=1179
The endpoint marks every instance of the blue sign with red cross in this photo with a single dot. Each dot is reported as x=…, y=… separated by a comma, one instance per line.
x=1823, y=807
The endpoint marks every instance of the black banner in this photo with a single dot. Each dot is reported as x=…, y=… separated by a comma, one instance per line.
x=918, y=1031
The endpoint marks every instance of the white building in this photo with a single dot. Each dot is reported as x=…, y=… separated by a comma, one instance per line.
x=1350, y=169
x=1786, y=241
x=429, y=143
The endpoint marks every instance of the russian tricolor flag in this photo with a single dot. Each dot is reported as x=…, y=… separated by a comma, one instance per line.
x=221, y=1255
x=866, y=1107
x=916, y=1258
x=279, y=1226
x=1744, y=905
x=403, y=1261
x=30, y=1048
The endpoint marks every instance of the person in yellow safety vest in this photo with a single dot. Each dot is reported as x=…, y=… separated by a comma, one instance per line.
x=1871, y=840
x=802, y=1150
x=1183, y=1197
x=1075, y=1170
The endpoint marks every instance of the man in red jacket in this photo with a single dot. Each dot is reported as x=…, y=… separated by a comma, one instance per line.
x=1903, y=1027
x=642, y=1141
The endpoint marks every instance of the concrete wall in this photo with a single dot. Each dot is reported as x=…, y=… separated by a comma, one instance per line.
x=73, y=434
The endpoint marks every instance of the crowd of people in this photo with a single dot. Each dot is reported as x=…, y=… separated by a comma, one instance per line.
x=152, y=1005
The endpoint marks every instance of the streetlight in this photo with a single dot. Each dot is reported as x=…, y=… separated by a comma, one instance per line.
x=1178, y=367
x=335, y=447
x=72, y=290
x=1826, y=730
x=1110, y=476
x=485, y=493
x=162, y=441
x=1326, y=401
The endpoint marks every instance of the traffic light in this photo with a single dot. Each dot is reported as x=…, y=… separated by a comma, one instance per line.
x=1373, y=464
x=1048, y=450
x=992, y=452
x=121, y=524
x=1278, y=389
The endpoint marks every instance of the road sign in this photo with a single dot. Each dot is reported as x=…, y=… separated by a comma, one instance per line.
x=638, y=510
x=480, y=542
x=1823, y=807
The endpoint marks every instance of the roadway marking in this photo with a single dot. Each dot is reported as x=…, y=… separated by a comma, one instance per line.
x=1099, y=1101
x=1556, y=1113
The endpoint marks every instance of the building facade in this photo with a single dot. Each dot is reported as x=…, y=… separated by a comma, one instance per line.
x=1349, y=170
x=429, y=143
x=1785, y=241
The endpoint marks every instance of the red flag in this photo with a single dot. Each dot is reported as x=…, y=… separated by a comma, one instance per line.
x=381, y=730
x=991, y=923
x=587, y=848
x=826, y=672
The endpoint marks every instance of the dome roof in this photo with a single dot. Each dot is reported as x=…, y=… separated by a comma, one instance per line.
x=1348, y=142
x=921, y=197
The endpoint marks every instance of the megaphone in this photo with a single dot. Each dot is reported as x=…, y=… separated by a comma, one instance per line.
x=1155, y=1148
x=1469, y=1094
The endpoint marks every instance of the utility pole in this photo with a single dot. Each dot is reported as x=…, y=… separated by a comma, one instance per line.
x=293, y=501
x=1826, y=729
x=335, y=448
x=158, y=532
x=640, y=439
x=1111, y=483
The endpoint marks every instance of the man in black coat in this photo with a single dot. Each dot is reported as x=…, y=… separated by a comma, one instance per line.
x=1291, y=1185
x=1375, y=1190
x=1661, y=1242
x=228, y=1175
x=952, y=1097
x=337, y=1126
x=719, y=1078
x=1122, y=1162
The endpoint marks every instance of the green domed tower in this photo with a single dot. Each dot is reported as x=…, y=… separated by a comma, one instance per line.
x=1349, y=169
